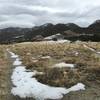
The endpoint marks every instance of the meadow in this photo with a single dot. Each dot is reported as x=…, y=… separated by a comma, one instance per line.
x=42, y=56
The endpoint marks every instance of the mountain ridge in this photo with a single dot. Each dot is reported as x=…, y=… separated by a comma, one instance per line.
x=13, y=35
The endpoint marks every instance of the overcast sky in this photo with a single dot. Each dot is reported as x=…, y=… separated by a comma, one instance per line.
x=27, y=13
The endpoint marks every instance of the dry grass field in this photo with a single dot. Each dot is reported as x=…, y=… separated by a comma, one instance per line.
x=42, y=56
x=4, y=74
x=87, y=63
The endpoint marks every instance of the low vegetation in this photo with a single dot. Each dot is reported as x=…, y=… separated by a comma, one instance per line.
x=87, y=63
x=4, y=71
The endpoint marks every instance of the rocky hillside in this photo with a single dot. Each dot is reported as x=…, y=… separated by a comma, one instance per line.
x=69, y=31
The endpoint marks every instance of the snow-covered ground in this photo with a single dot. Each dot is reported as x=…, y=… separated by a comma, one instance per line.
x=58, y=41
x=76, y=53
x=53, y=36
x=13, y=55
x=17, y=62
x=45, y=57
x=91, y=49
x=63, y=64
x=26, y=85
x=63, y=41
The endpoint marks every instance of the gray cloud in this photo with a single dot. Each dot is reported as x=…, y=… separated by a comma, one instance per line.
x=27, y=13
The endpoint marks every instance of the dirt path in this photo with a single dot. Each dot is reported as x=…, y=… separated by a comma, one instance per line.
x=5, y=78
x=9, y=84
x=4, y=89
x=6, y=69
x=5, y=83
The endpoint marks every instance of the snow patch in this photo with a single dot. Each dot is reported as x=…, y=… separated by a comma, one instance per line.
x=77, y=87
x=45, y=57
x=58, y=41
x=78, y=41
x=76, y=53
x=13, y=55
x=33, y=58
x=26, y=85
x=89, y=48
x=98, y=53
x=53, y=36
x=63, y=41
x=35, y=61
x=17, y=62
x=63, y=64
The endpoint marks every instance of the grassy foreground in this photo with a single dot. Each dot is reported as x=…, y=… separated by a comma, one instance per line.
x=87, y=62
x=4, y=74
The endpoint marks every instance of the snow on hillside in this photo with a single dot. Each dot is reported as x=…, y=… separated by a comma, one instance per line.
x=53, y=36
x=26, y=85
x=59, y=37
x=58, y=41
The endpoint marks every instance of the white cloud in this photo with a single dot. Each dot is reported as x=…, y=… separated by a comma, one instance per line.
x=28, y=13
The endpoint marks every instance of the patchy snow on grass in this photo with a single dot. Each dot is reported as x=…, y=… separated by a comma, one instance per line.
x=92, y=49
x=89, y=48
x=98, y=52
x=33, y=58
x=58, y=41
x=26, y=85
x=77, y=87
x=78, y=41
x=13, y=55
x=52, y=36
x=17, y=62
x=76, y=53
x=63, y=64
x=63, y=41
x=45, y=57
x=35, y=61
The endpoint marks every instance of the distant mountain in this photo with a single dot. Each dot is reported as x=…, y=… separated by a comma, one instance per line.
x=69, y=31
x=10, y=35
x=95, y=27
